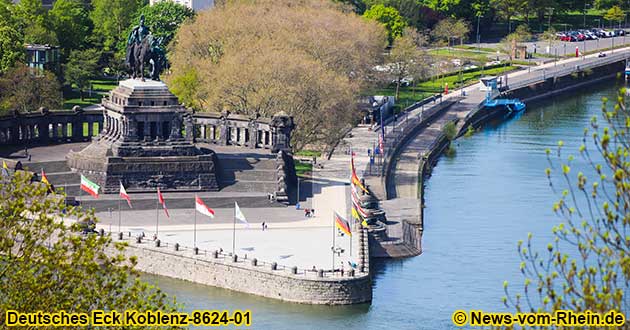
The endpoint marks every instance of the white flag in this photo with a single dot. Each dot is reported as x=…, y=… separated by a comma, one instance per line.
x=239, y=215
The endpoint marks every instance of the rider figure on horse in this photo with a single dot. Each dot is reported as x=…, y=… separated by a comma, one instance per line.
x=137, y=35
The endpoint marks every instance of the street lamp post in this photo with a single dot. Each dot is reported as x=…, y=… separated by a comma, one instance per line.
x=585, y=5
x=478, y=37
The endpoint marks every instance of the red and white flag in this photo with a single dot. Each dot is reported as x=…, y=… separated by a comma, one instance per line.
x=123, y=194
x=89, y=186
x=381, y=144
x=161, y=200
x=202, y=208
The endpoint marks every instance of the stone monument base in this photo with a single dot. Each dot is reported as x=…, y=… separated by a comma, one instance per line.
x=145, y=174
x=143, y=144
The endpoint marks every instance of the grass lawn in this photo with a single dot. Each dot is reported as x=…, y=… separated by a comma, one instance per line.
x=473, y=48
x=99, y=87
x=103, y=85
x=461, y=54
x=303, y=169
x=70, y=99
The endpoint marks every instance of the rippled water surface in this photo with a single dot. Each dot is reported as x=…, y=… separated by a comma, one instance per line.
x=479, y=203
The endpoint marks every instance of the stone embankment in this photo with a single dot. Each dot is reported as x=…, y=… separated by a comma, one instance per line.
x=252, y=276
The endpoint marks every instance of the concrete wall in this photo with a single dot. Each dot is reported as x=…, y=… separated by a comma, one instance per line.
x=304, y=287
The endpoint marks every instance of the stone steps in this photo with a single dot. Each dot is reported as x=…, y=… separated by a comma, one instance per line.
x=248, y=163
x=248, y=186
x=61, y=178
x=249, y=175
x=49, y=167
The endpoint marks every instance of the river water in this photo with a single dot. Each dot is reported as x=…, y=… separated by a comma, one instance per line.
x=479, y=203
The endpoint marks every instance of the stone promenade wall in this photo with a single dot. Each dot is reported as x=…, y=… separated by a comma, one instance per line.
x=284, y=283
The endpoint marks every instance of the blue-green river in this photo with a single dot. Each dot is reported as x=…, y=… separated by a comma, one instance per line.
x=479, y=203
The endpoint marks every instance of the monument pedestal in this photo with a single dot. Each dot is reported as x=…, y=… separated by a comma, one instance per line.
x=143, y=145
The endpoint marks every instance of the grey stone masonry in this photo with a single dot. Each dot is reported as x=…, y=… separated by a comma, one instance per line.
x=146, y=143
x=306, y=286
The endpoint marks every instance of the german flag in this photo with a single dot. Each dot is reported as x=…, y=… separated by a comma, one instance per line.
x=360, y=210
x=342, y=224
x=357, y=217
x=354, y=179
x=45, y=178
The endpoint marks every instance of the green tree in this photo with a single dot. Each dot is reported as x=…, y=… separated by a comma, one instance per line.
x=587, y=266
x=71, y=23
x=407, y=60
x=163, y=18
x=410, y=10
x=111, y=18
x=51, y=266
x=615, y=14
x=26, y=90
x=31, y=18
x=389, y=18
x=11, y=47
x=507, y=9
x=443, y=6
x=450, y=29
x=81, y=67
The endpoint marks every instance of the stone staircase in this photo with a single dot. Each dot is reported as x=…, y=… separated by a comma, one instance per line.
x=247, y=174
x=245, y=180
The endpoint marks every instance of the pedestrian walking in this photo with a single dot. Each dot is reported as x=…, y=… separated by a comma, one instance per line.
x=312, y=212
x=307, y=213
x=263, y=226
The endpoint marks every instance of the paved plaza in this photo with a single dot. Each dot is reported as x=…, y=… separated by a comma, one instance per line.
x=290, y=239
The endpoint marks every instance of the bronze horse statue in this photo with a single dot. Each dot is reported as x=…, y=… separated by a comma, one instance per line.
x=147, y=52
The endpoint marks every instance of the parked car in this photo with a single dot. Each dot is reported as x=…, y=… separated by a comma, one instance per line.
x=602, y=33
x=589, y=35
x=619, y=32
x=578, y=36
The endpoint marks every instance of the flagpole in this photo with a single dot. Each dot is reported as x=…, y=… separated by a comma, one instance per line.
x=234, y=232
x=351, y=229
x=119, y=215
x=157, y=215
x=333, y=245
x=195, y=224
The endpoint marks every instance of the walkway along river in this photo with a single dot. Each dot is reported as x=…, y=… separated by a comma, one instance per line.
x=479, y=203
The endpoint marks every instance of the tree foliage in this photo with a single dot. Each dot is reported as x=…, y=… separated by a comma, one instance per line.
x=46, y=265
x=615, y=14
x=31, y=19
x=587, y=266
x=306, y=58
x=411, y=10
x=390, y=18
x=11, y=48
x=507, y=9
x=407, y=59
x=111, y=18
x=81, y=67
x=451, y=29
x=71, y=24
x=26, y=90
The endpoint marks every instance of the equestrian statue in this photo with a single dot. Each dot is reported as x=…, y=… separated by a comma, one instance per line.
x=144, y=48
